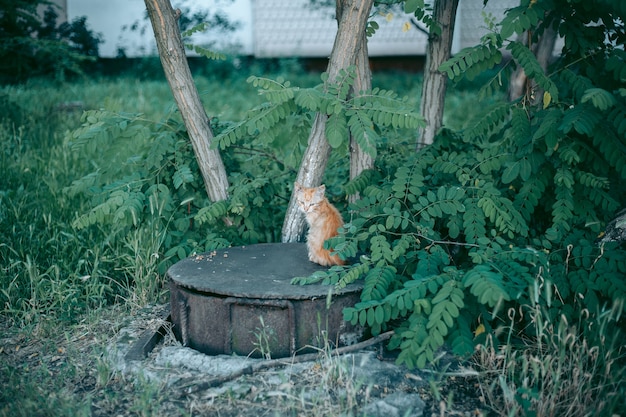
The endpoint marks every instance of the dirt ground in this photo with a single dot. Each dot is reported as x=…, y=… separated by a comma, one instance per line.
x=85, y=370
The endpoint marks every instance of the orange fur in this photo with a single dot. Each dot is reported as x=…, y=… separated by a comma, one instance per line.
x=323, y=220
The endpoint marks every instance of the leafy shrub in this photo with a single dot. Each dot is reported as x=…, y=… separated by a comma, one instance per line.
x=364, y=115
x=156, y=182
x=34, y=46
x=153, y=185
x=504, y=212
x=449, y=244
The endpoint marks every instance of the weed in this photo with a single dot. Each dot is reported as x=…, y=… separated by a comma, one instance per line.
x=140, y=261
x=265, y=338
x=337, y=386
x=561, y=371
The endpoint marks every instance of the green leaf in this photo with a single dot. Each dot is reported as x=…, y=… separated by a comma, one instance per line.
x=527, y=60
x=470, y=62
x=183, y=175
x=486, y=285
x=599, y=97
x=583, y=119
x=511, y=173
x=519, y=19
x=411, y=6
x=309, y=98
x=336, y=130
x=361, y=127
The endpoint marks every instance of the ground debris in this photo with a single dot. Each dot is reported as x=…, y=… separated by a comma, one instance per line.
x=351, y=381
x=88, y=364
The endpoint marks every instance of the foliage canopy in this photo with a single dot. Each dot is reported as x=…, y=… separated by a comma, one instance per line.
x=507, y=211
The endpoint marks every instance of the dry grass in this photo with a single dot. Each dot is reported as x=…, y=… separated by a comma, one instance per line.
x=560, y=372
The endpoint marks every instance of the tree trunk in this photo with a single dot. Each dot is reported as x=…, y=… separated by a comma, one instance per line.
x=352, y=19
x=172, y=52
x=359, y=160
x=435, y=82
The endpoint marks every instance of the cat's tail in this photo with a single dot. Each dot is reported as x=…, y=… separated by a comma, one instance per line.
x=329, y=260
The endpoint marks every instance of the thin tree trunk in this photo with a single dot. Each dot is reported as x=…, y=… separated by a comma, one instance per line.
x=164, y=21
x=360, y=160
x=435, y=82
x=352, y=19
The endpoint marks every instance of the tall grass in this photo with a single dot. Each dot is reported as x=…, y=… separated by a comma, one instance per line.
x=40, y=252
x=49, y=269
x=565, y=369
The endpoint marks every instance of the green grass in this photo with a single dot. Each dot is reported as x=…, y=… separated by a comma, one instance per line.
x=49, y=267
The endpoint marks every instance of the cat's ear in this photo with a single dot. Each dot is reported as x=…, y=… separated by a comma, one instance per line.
x=321, y=190
x=297, y=186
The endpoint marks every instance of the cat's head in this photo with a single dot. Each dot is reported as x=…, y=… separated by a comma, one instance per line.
x=308, y=198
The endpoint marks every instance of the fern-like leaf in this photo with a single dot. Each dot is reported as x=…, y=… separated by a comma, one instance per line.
x=207, y=53
x=461, y=338
x=377, y=282
x=605, y=141
x=470, y=62
x=211, y=213
x=474, y=222
x=527, y=60
x=182, y=176
x=599, y=98
x=486, y=285
x=501, y=212
x=485, y=124
x=407, y=184
x=578, y=83
x=520, y=19
x=529, y=196
x=582, y=119
x=361, y=182
x=337, y=130
x=618, y=116
x=362, y=128
x=309, y=98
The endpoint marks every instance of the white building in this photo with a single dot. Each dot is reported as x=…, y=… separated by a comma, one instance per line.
x=282, y=28
x=278, y=28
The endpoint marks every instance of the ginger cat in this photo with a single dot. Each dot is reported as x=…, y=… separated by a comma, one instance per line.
x=323, y=220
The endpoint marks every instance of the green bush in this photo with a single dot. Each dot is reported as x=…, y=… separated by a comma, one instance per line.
x=156, y=183
x=505, y=212
x=31, y=45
